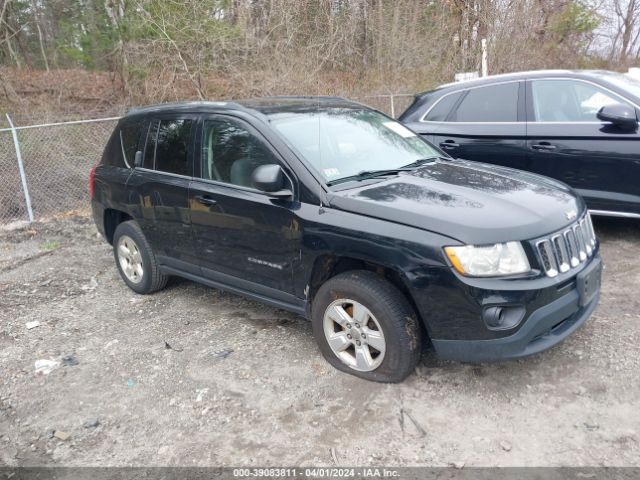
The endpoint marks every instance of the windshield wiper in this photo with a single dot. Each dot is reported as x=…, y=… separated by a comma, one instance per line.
x=423, y=161
x=367, y=174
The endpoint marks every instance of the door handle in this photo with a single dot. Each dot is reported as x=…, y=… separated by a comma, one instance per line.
x=543, y=146
x=449, y=144
x=206, y=200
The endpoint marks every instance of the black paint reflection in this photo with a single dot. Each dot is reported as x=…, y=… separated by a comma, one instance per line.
x=417, y=193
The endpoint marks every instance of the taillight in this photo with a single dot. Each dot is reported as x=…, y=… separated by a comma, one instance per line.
x=92, y=179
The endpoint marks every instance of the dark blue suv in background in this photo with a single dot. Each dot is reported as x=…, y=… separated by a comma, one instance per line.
x=580, y=127
x=334, y=211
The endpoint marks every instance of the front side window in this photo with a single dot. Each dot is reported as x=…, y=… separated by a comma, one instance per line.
x=167, y=146
x=568, y=100
x=341, y=142
x=230, y=153
x=493, y=103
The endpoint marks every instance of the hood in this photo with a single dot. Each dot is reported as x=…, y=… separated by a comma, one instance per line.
x=472, y=202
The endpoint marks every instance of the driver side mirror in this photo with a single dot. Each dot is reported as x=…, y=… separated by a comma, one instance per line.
x=271, y=180
x=620, y=115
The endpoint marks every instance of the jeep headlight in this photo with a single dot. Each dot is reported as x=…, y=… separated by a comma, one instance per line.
x=489, y=260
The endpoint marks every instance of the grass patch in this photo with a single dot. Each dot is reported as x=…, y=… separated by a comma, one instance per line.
x=51, y=245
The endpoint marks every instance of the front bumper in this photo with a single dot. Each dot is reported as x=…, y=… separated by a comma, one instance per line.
x=545, y=327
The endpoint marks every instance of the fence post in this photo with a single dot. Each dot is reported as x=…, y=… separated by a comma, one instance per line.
x=23, y=177
x=393, y=109
x=485, y=65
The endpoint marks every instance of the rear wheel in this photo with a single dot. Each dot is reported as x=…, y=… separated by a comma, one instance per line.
x=365, y=326
x=135, y=259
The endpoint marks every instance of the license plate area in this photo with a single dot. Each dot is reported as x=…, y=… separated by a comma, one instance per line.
x=588, y=282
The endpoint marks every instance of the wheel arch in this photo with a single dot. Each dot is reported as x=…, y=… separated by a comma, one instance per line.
x=329, y=265
x=111, y=219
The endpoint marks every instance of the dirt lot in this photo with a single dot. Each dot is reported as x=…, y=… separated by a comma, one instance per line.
x=244, y=384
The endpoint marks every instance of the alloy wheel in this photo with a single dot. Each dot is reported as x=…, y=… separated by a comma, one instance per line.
x=354, y=335
x=130, y=259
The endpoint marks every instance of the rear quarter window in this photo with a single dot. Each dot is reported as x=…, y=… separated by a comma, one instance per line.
x=491, y=103
x=123, y=144
x=112, y=154
x=130, y=134
x=441, y=109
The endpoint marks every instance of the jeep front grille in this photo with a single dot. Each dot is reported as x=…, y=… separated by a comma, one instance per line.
x=564, y=250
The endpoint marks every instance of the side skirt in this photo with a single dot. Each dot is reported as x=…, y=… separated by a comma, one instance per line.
x=292, y=304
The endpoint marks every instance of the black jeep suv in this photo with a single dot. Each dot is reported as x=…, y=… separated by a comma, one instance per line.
x=334, y=211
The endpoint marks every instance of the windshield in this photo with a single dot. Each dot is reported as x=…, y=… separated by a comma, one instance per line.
x=624, y=82
x=342, y=142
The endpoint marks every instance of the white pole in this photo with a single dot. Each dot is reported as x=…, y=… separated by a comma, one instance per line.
x=23, y=177
x=393, y=109
x=485, y=68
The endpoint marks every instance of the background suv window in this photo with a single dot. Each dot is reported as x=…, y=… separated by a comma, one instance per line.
x=442, y=108
x=168, y=146
x=568, y=100
x=231, y=153
x=493, y=103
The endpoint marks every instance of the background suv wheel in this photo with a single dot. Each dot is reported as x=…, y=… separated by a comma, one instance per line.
x=365, y=326
x=135, y=259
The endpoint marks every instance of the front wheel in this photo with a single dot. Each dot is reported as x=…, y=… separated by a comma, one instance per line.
x=366, y=327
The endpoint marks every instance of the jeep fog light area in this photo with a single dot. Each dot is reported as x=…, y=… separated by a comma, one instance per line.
x=336, y=212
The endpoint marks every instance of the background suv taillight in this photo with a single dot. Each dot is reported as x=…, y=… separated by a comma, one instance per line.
x=92, y=177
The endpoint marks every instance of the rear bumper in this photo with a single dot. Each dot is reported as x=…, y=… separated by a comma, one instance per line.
x=97, y=211
x=545, y=327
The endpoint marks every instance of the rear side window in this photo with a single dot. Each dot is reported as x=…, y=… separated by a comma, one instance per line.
x=167, y=146
x=442, y=108
x=130, y=134
x=493, y=103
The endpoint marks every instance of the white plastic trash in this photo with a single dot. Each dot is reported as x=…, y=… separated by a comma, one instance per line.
x=46, y=366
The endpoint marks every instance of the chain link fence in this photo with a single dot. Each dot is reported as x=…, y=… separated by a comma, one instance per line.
x=56, y=159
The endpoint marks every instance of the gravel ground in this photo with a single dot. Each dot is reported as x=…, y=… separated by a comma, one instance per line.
x=194, y=376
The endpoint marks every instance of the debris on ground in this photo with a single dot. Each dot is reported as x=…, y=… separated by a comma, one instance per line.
x=70, y=361
x=110, y=343
x=224, y=353
x=404, y=412
x=170, y=347
x=92, y=285
x=64, y=436
x=458, y=465
x=45, y=367
x=31, y=325
x=506, y=446
x=93, y=423
x=131, y=383
x=334, y=456
x=201, y=393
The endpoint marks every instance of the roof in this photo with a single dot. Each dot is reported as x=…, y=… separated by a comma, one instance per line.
x=263, y=105
x=516, y=76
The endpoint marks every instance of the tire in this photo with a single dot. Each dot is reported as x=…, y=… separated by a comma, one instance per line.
x=135, y=259
x=388, y=315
